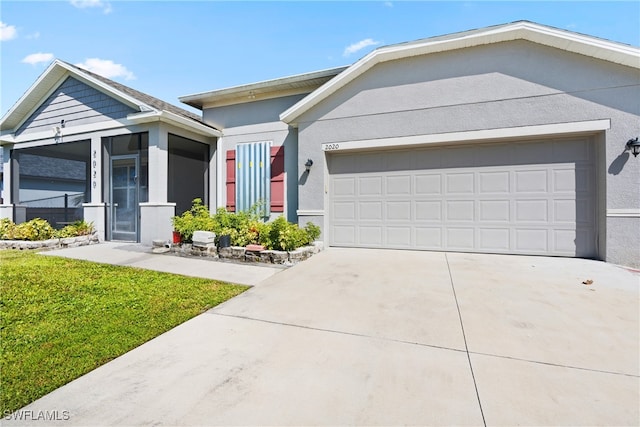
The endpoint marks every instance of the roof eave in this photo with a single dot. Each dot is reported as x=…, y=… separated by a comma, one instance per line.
x=263, y=88
x=48, y=81
x=523, y=30
x=175, y=120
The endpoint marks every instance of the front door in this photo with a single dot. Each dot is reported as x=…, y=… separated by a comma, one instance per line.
x=125, y=211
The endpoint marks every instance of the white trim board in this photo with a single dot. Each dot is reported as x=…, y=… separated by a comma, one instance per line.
x=474, y=135
x=623, y=213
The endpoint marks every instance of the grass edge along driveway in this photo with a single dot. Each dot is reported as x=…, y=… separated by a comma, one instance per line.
x=61, y=318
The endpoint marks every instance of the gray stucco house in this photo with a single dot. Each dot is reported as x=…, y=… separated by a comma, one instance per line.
x=508, y=139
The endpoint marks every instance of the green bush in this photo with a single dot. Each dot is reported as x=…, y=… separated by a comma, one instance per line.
x=196, y=218
x=245, y=227
x=78, y=228
x=36, y=229
x=40, y=229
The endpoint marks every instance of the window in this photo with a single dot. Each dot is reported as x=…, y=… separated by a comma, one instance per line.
x=276, y=179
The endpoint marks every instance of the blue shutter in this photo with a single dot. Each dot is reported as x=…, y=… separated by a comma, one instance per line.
x=253, y=173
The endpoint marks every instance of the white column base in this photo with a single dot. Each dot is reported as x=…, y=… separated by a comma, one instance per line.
x=155, y=222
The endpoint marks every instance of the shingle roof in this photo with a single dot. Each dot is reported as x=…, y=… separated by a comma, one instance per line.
x=142, y=97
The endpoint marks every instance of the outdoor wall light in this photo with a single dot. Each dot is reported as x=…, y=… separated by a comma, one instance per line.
x=634, y=146
x=308, y=164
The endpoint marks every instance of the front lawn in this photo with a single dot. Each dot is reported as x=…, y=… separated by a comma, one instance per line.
x=61, y=318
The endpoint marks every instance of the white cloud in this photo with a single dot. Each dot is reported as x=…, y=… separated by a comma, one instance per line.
x=7, y=32
x=37, y=58
x=106, y=68
x=355, y=47
x=83, y=4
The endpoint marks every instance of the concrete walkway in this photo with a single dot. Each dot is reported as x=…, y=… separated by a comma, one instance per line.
x=374, y=337
x=136, y=255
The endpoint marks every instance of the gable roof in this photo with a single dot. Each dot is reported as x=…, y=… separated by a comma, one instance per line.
x=148, y=108
x=521, y=30
x=291, y=85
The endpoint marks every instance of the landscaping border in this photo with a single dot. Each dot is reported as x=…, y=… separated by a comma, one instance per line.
x=51, y=244
x=239, y=253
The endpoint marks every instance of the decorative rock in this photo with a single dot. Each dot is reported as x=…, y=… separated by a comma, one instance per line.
x=279, y=257
x=252, y=257
x=265, y=256
x=224, y=252
x=160, y=250
x=203, y=238
x=255, y=248
x=237, y=252
x=158, y=243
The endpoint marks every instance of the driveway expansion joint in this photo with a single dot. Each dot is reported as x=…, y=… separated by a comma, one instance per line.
x=354, y=334
x=464, y=337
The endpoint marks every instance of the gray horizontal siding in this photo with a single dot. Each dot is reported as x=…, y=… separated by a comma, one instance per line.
x=77, y=104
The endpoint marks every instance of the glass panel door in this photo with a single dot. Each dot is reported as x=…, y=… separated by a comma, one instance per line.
x=124, y=198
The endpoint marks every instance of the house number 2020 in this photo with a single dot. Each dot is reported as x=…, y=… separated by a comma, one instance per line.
x=329, y=147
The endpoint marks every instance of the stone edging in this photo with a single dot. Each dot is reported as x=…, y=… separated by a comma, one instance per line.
x=238, y=253
x=50, y=244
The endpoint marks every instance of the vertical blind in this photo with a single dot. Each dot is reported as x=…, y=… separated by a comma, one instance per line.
x=253, y=176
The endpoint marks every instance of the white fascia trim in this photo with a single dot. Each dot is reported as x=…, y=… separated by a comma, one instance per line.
x=474, y=135
x=565, y=40
x=624, y=213
x=174, y=119
x=310, y=212
x=68, y=131
x=253, y=129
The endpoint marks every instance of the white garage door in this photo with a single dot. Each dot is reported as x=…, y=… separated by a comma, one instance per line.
x=520, y=198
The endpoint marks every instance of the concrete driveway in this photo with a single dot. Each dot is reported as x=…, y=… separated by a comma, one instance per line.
x=375, y=337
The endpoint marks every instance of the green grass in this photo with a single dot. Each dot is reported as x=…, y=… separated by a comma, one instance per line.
x=61, y=318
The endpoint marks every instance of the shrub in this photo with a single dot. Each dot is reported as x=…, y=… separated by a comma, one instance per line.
x=78, y=228
x=285, y=236
x=196, y=218
x=245, y=228
x=36, y=229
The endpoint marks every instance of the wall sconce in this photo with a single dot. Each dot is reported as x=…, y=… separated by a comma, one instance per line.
x=308, y=164
x=634, y=146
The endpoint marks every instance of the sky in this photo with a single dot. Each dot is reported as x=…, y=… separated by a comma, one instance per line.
x=170, y=49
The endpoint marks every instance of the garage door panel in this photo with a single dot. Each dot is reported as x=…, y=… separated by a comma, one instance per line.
x=398, y=185
x=460, y=210
x=429, y=238
x=428, y=210
x=523, y=198
x=344, y=187
x=459, y=238
x=344, y=211
x=370, y=186
x=398, y=237
x=532, y=211
x=564, y=180
x=370, y=211
x=428, y=184
x=344, y=235
x=398, y=211
x=494, y=182
x=531, y=181
x=532, y=240
x=460, y=183
x=494, y=210
x=371, y=235
x=494, y=239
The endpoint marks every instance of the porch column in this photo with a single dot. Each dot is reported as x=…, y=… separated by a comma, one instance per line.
x=94, y=210
x=6, y=207
x=156, y=213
